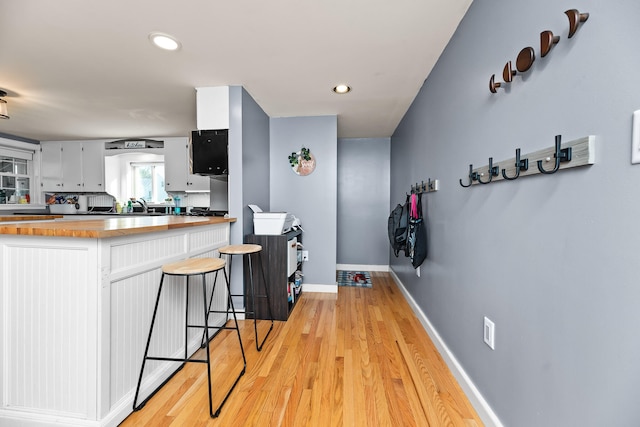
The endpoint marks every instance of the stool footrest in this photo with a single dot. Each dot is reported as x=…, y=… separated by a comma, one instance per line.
x=176, y=359
x=212, y=327
x=255, y=296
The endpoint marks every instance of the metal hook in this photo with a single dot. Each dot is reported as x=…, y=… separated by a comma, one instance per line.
x=473, y=176
x=430, y=185
x=561, y=155
x=493, y=171
x=521, y=165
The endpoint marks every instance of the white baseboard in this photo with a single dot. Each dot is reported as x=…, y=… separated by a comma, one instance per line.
x=310, y=287
x=362, y=267
x=479, y=403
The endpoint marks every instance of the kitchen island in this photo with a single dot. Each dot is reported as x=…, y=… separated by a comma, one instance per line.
x=77, y=299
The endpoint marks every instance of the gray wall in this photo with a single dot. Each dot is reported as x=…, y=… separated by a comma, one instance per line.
x=552, y=260
x=255, y=159
x=248, y=168
x=363, y=198
x=312, y=198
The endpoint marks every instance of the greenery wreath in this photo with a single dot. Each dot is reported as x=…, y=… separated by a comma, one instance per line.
x=303, y=153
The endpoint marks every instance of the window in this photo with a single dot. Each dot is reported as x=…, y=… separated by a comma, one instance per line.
x=14, y=180
x=148, y=181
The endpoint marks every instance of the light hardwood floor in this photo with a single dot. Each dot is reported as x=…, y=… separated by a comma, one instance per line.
x=358, y=358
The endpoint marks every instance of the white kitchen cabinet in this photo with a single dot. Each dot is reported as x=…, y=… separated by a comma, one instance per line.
x=51, y=166
x=72, y=166
x=93, y=167
x=177, y=176
x=212, y=107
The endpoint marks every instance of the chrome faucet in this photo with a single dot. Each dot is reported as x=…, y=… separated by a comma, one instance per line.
x=143, y=203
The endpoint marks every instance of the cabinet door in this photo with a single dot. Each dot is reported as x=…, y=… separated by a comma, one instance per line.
x=51, y=166
x=175, y=165
x=176, y=168
x=93, y=166
x=72, y=166
x=196, y=182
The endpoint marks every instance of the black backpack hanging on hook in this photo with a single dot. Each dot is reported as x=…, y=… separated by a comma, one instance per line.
x=417, y=241
x=398, y=228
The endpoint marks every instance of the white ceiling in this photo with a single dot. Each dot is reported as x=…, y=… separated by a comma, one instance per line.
x=82, y=69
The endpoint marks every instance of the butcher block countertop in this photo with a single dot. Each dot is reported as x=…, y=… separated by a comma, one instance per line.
x=13, y=218
x=103, y=228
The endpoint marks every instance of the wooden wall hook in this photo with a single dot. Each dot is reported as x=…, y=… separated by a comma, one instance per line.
x=508, y=72
x=525, y=59
x=575, y=18
x=547, y=41
x=493, y=86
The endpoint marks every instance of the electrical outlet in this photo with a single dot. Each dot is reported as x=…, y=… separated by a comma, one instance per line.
x=305, y=255
x=489, y=333
x=635, y=138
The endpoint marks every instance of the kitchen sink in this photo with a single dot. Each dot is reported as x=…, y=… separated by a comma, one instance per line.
x=142, y=214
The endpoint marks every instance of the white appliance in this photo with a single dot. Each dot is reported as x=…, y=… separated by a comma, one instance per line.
x=82, y=204
x=271, y=223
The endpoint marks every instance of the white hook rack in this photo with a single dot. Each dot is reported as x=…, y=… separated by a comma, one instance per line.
x=582, y=154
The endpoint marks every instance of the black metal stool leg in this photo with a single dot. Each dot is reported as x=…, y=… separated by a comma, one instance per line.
x=146, y=349
x=206, y=333
x=259, y=343
x=213, y=291
x=237, y=328
x=235, y=320
x=186, y=318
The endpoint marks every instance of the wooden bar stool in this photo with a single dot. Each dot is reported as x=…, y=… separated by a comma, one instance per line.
x=248, y=250
x=187, y=268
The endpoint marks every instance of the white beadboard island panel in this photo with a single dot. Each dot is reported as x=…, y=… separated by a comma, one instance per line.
x=48, y=351
x=75, y=318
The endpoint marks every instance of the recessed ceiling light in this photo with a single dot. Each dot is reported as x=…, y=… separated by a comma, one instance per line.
x=164, y=41
x=342, y=88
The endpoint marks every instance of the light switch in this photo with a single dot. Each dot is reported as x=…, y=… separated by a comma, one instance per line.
x=489, y=333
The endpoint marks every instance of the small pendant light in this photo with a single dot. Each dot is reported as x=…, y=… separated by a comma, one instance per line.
x=4, y=112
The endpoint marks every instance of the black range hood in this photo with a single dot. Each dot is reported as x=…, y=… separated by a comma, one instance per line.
x=210, y=152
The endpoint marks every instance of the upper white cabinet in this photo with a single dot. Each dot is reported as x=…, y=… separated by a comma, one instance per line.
x=93, y=166
x=177, y=175
x=72, y=166
x=212, y=107
x=51, y=166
